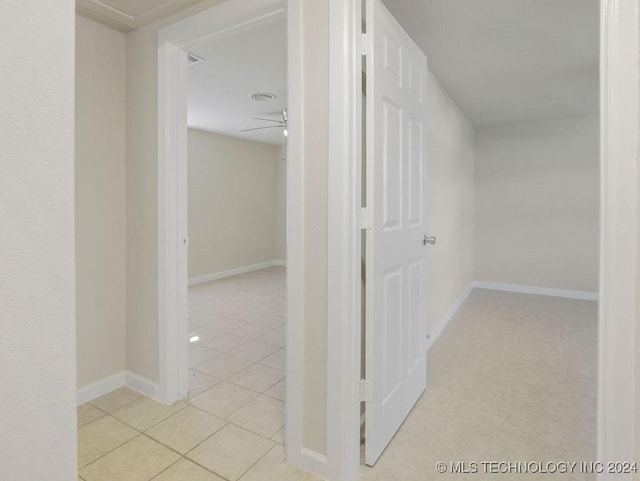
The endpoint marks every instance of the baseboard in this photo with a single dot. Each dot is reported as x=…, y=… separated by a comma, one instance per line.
x=143, y=385
x=431, y=338
x=234, y=272
x=116, y=381
x=101, y=387
x=541, y=291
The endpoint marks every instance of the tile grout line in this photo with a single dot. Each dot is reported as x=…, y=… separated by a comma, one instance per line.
x=513, y=363
x=209, y=437
x=138, y=431
x=187, y=402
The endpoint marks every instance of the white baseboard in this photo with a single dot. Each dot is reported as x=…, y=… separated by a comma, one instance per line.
x=143, y=385
x=541, y=291
x=433, y=335
x=116, y=381
x=234, y=272
x=100, y=388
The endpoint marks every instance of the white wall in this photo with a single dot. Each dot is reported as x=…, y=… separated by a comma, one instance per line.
x=233, y=203
x=37, y=273
x=537, y=204
x=450, y=144
x=100, y=201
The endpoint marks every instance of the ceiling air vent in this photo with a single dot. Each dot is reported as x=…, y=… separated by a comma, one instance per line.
x=263, y=97
x=193, y=59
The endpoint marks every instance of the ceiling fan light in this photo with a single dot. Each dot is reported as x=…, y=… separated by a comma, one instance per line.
x=263, y=97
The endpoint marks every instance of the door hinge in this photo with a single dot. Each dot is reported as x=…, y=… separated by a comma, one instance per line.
x=366, y=218
x=185, y=241
x=365, y=48
x=366, y=390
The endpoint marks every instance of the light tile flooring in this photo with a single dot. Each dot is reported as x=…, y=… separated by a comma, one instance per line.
x=513, y=377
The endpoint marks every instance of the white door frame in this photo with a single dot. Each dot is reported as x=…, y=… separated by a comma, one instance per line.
x=617, y=331
x=344, y=239
x=342, y=459
x=173, y=43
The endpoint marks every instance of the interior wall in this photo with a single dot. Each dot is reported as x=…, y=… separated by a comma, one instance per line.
x=537, y=204
x=37, y=265
x=142, y=202
x=100, y=201
x=233, y=203
x=449, y=202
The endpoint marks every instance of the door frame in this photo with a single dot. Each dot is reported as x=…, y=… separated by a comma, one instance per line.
x=228, y=18
x=344, y=314
x=174, y=41
x=342, y=458
x=619, y=359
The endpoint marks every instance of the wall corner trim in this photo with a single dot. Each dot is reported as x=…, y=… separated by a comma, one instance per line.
x=115, y=381
x=100, y=388
x=541, y=291
x=442, y=324
x=143, y=385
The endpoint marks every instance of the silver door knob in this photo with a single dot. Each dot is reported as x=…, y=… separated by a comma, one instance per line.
x=428, y=240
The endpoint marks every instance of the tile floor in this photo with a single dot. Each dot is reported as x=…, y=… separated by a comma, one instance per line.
x=513, y=377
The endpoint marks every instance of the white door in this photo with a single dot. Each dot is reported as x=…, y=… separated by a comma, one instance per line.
x=396, y=365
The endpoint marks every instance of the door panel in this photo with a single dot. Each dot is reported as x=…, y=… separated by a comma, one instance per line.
x=395, y=274
x=392, y=178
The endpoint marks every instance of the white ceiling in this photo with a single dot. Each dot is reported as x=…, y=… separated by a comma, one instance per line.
x=509, y=60
x=236, y=67
x=135, y=8
x=127, y=15
x=501, y=60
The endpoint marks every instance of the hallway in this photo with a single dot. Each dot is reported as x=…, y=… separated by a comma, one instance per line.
x=512, y=378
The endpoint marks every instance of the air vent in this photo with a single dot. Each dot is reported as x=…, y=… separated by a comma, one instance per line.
x=263, y=97
x=193, y=59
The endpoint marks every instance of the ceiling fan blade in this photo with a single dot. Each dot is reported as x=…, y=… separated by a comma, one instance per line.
x=261, y=128
x=267, y=120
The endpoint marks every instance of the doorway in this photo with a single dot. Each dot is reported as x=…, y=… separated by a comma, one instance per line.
x=219, y=24
x=237, y=125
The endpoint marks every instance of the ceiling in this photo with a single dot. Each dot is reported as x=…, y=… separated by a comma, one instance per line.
x=135, y=7
x=127, y=15
x=236, y=67
x=501, y=60
x=510, y=60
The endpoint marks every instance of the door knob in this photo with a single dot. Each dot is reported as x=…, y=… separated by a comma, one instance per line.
x=428, y=240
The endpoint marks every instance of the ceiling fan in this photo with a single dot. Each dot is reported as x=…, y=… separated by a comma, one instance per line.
x=281, y=124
